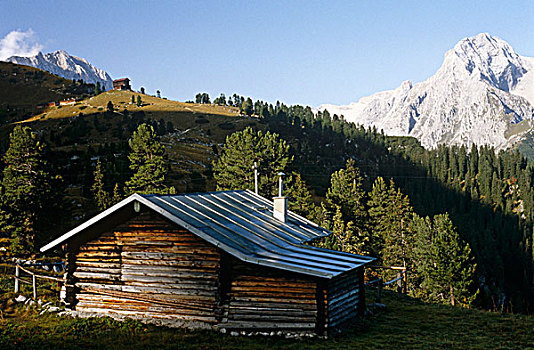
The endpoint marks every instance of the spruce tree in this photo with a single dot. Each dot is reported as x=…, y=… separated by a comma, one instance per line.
x=234, y=168
x=29, y=192
x=101, y=196
x=346, y=190
x=445, y=264
x=390, y=217
x=300, y=199
x=147, y=163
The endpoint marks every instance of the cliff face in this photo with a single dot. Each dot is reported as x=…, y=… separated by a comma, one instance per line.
x=67, y=66
x=483, y=93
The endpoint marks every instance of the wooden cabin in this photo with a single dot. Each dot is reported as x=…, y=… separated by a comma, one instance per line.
x=225, y=260
x=122, y=84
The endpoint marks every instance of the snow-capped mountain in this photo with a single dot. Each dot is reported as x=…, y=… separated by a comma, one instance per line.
x=67, y=66
x=483, y=93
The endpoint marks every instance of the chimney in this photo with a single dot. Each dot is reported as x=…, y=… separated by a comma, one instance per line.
x=280, y=202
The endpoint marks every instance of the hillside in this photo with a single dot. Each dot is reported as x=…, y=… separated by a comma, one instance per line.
x=157, y=107
x=405, y=323
x=23, y=88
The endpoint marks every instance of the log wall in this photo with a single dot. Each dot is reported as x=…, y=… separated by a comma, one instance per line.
x=149, y=268
x=269, y=299
x=344, y=299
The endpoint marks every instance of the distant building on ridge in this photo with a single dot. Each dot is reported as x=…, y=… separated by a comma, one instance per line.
x=122, y=84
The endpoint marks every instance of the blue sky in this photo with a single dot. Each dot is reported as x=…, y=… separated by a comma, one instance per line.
x=298, y=52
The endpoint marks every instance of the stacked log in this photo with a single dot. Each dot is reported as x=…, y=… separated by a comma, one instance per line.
x=268, y=299
x=149, y=268
x=344, y=298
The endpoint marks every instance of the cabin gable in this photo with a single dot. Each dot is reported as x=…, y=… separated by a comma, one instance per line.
x=147, y=268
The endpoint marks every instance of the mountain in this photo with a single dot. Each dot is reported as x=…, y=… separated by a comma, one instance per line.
x=67, y=66
x=483, y=93
x=24, y=88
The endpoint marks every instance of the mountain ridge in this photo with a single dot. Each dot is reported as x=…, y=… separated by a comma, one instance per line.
x=483, y=94
x=67, y=66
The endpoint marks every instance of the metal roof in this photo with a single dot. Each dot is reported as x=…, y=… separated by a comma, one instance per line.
x=242, y=224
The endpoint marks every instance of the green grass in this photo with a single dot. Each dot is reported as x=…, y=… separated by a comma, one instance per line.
x=404, y=324
x=122, y=100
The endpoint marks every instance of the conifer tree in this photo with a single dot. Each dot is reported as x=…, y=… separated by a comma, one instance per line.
x=234, y=168
x=101, y=196
x=390, y=217
x=116, y=196
x=248, y=107
x=444, y=262
x=300, y=199
x=29, y=193
x=346, y=190
x=139, y=102
x=147, y=163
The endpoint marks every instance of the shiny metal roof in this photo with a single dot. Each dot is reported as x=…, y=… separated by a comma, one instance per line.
x=242, y=224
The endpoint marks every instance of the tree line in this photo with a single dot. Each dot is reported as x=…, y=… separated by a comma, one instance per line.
x=483, y=199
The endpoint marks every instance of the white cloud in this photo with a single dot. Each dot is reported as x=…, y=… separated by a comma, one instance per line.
x=19, y=43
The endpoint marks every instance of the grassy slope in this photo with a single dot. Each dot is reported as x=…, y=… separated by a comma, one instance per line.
x=122, y=100
x=24, y=87
x=405, y=324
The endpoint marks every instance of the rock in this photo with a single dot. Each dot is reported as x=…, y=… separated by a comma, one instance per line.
x=482, y=89
x=20, y=299
x=53, y=309
x=234, y=333
x=222, y=330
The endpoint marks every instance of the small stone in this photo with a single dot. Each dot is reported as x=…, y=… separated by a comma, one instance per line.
x=272, y=334
x=53, y=309
x=222, y=330
x=234, y=333
x=20, y=299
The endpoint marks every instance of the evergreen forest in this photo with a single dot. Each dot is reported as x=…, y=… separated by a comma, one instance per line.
x=460, y=219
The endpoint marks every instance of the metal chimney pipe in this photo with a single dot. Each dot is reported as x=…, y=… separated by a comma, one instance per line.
x=255, y=177
x=280, y=184
x=280, y=202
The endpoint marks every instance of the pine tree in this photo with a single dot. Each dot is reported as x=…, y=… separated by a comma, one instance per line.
x=116, y=196
x=300, y=199
x=444, y=262
x=29, y=192
x=110, y=106
x=101, y=196
x=133, y=99
x=234, y=168
x=147, y=163
x=248, y=107
x=139, y=102
x=346, y=190
x=390, y=217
